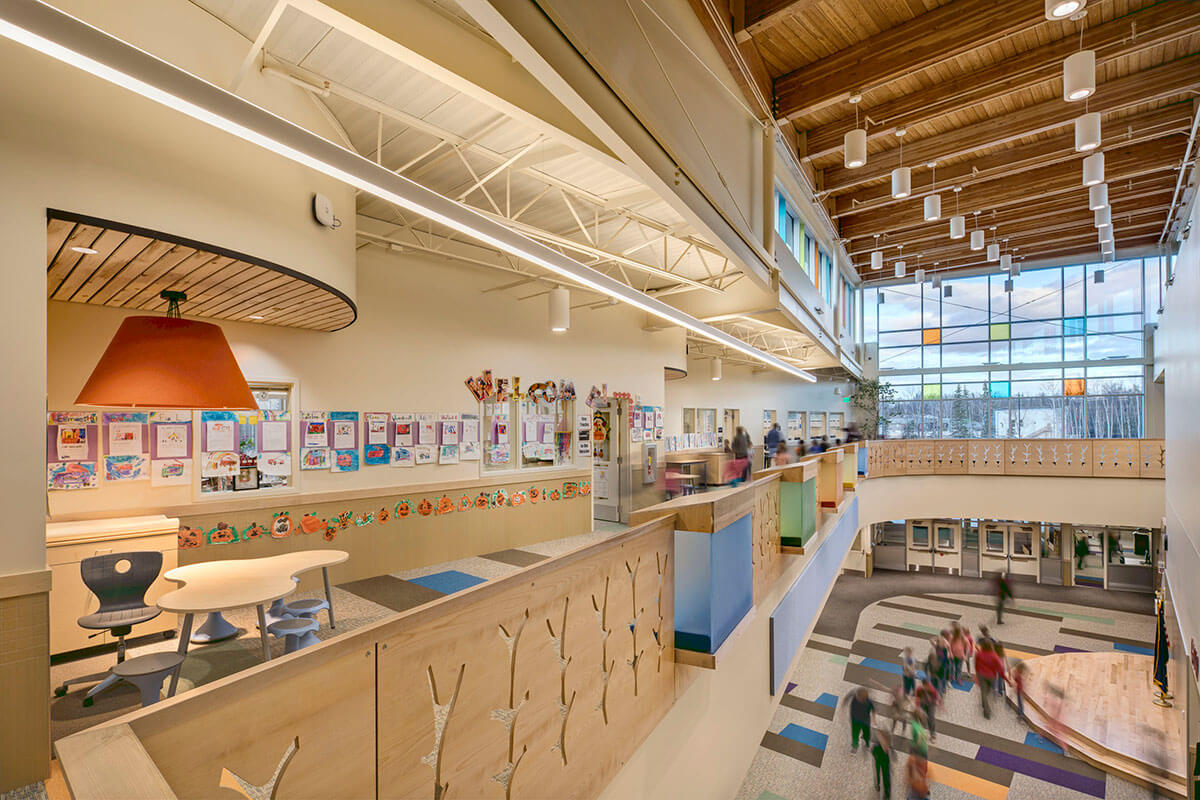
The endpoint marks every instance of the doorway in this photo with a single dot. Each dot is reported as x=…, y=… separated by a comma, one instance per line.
x=970, y=548
x=888, y=546
x=1050, y=567
x=608, y=457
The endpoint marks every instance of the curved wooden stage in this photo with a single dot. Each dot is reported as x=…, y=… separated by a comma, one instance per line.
x=1107, y=716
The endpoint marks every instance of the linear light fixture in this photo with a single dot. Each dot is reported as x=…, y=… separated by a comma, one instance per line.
x=63, y=37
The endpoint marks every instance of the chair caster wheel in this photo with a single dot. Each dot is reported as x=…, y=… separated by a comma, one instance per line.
x=60, y=691
x=87, y=701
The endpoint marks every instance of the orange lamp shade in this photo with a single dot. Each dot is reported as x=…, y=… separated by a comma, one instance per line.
x=167, y=362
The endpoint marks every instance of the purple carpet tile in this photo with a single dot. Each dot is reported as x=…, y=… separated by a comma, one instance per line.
x=1059, y=777
x=1062, y=648
x=789, y=688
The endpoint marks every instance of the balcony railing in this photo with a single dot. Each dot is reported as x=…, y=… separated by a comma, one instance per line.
x=1094, y=458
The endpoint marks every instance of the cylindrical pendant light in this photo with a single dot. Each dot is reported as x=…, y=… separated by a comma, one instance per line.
x=899, y=269
x=560, y=309
x=167, y=362
x=958, y=227
x=933, y=207
x=1103, y=217
x=1079, y=75
x=993, y=252
x=1093, y=169
x=901, y=182
x=1087, y=132
x=876, y=259
x=976, y=239
x=855, y=144
x=714, y=369
x=1015, y=270
x=1006, y=261
x=1097, y=196
x=1106, y=234
x=1061, y=9
x=919, y=276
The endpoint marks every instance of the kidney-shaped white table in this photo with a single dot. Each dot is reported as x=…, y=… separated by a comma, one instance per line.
x=215, y=586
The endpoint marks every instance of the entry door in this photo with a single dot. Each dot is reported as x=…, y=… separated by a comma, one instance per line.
x=1050, y=566
x=970, y=550
x=606, y=463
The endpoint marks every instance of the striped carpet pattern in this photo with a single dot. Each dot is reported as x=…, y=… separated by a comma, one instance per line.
x=805, y=752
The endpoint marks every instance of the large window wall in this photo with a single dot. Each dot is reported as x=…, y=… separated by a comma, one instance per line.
x=1059, y=356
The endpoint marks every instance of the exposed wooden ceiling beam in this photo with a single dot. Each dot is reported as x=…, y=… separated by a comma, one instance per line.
x=763, y=14
x=1123, y=163
x=1150, y=27
x=1153, y=193
x=1146, y=86
x=1040, y=252
x=1147, y=126
x=1079, y=229
x=931, y=38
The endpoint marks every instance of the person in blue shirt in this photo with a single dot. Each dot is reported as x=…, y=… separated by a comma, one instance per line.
x=773, y=438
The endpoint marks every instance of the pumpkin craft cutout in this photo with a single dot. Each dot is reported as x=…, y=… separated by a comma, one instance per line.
x=311, y=523
x=281, y=525
x=224, y=533
x=189, y=538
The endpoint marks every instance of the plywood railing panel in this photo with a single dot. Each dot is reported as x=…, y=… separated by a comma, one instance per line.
x=767, y=560
x=587, y=644
x=1100, y=458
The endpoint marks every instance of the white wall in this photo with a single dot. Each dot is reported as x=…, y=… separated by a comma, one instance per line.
x=74, y=142
x=1180, y=348
x=1083, y=501
x=424, y=326
x=741, y=388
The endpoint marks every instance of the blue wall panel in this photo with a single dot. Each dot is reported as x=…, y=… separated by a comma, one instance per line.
x=797, y=611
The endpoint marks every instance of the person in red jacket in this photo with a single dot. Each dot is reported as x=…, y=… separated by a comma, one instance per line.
x=988, y=669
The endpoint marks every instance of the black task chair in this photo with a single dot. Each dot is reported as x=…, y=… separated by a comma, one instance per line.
x=122, y=597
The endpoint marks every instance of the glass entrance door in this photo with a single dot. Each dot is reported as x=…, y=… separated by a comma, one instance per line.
x=970, y=548
x=1050, y=569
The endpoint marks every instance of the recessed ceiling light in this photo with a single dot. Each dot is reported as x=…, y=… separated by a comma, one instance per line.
x=87, y=251
x=1061, y=9
x=256, y=316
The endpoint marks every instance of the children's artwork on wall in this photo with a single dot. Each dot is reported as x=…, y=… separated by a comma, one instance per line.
x=377, y=454
x=344, y=461
x=125, y=433
x=403, y=456
x=314, y=458
x=483, y=501
x=281, y=525
x=253, y=531
x=383, y=515
x=658, y=417
x=362, y=520
x=171, y=440
x=273, y=435
x=448, y=454
x=72, y=442
x=171, y=472
x=425, y=507
x=470, y=428
x=189, y=538
x=65, y=475
x=313, y=425
x=498, y=453
x=377, y=428
x=425, y=453
x=126, y=468
x=402, y=425
x=404, y=508
x=221, y=435
x=444, y=506
x=465, y=503
x=450, y=429
x=343, y=435
x=220, y=465
x=331, y=531
x=275, y=463
x=224, y=533
x=426, y=429
x=635, y=435
x=469, y=451
x=311, y=523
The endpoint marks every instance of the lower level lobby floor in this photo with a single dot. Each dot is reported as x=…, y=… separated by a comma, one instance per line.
x=805, y=752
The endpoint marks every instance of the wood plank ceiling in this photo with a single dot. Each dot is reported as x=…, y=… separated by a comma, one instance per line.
x=105, y=263
x=977, y=84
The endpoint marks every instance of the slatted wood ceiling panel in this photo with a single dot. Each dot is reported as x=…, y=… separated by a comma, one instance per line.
x=131, y=267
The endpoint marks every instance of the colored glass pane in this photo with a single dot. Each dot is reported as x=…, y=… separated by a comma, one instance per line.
x=932, y=391
x=1073, y=326
x=999, y=330
x=1000, y=389
x=1074, y=387
x=932, y=336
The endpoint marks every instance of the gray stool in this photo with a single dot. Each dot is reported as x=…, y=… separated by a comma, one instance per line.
x=299, y=633
x=307, y=608
x=148, y=673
